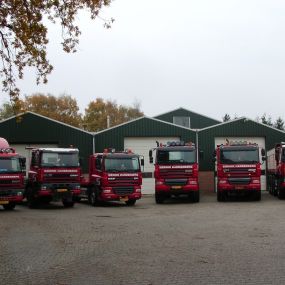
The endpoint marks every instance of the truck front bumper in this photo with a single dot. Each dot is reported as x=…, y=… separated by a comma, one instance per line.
x=11, y=196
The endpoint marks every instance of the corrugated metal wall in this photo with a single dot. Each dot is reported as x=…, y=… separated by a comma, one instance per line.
x=238, y=128
x=40, y=130
x=197, y=121
x=143, y=127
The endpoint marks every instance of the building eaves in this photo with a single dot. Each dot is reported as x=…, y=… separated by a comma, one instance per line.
x=41, y=116
x=140, y=118
x=245, y=119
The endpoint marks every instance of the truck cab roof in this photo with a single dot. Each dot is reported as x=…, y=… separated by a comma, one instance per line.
x=48, y=149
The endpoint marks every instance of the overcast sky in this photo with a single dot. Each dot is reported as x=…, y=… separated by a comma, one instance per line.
x=209, y=56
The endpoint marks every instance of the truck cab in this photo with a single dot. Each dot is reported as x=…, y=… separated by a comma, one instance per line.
x=12, y=175
x=54, y=175
x=113, y=176
x=176, y=171
x=238, y=170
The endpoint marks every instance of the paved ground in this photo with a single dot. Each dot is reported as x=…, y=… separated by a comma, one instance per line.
x=175, y=243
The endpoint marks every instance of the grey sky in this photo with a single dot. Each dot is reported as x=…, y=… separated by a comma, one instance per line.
x=209, y=56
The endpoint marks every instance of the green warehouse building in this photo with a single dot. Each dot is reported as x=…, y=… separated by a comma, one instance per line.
x=140, y=135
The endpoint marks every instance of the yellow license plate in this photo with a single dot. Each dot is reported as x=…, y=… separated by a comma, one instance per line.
x=61, y=190
x=239, y=187
x=124, y=199
x=4, y=202
x=176, y=187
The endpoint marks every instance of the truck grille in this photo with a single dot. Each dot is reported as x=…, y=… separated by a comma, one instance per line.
x=6, y=181
x=123, y=180
x=60, y=177
x=5, y=193
x=239, y=180
x=176, y=182
x=123, y=190
x=174, y=173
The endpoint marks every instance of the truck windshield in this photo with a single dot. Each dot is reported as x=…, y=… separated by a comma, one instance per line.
x=10, y=165
x=59, y=159
x=239, y=156
x=122, y=164
x=176, y=156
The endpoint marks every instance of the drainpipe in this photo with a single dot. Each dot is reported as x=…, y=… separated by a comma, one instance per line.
x=197, y=145
x=93, y=143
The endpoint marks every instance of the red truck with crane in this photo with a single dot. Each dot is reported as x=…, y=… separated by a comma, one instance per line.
x=54, y=175
x=238, y=169
x=12, y=176
x=113, y=176
x=276, y=170
x=176, y=170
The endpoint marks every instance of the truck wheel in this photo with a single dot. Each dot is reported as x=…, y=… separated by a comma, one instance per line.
x=130, y=202
x=195, y=196
x=280, y=194
x=76, y=199
x=67, y=203
x=159, y=198
x=31, y=200
x=9, y=207
x=220, y=196
x=93, y=197
x=257, y=195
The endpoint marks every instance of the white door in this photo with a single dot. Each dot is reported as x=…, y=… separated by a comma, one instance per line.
x=261, y=143
x=141, y=146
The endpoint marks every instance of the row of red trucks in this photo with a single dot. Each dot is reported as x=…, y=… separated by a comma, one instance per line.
x=55, y=174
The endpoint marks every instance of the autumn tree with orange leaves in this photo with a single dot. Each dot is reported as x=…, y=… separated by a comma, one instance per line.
x=98, y=111
x=65, y=109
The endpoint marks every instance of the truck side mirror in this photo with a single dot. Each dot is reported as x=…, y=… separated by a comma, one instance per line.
x=150, y=156
x=22, y=161
x=142, y=162
x=263, y=152
x=80, y=161
x=263, y=158
x=201, y=154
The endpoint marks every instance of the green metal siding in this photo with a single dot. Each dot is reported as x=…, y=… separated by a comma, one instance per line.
x=239, y=128
x=197, y=121
x=143, y=127
x=33, y=129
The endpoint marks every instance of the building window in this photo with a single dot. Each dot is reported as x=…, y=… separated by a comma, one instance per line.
x=182, y=121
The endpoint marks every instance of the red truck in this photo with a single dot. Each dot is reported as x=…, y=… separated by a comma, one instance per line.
x=12, y=176
x=113, y=176
x=54, y=175
x=276, y=170
x=176, y=171
x=238, y=169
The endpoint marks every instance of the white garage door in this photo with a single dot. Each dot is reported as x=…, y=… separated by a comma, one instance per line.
x=21, y=149
x=261, y=143
x=141, y=146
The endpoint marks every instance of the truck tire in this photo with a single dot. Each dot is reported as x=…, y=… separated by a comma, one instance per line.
x=130, y=202
x=257, y=196
x=9, y=207
x=31, y=200
x=220, y=196
x=93, y=197
x=159, y=198
x=76, y=199
x=280, y=193
x=195, y=196
x=67, y=203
